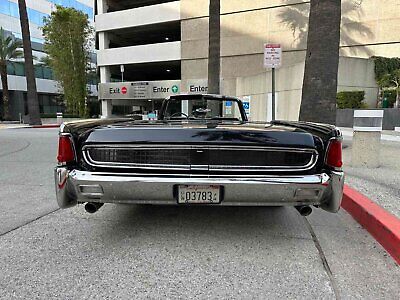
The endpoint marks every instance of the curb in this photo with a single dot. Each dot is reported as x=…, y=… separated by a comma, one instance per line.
x=382, y=225
x=36, y=126
x=46, y=126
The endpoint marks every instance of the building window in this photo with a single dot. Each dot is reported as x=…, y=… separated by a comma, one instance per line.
x=14, y=10
x=18, y=69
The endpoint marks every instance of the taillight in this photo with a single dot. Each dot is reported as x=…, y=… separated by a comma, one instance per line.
x=334, y=154
x=65, y=149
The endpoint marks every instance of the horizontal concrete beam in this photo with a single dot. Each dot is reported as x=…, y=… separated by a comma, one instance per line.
x=129, y=18
x=140, y=54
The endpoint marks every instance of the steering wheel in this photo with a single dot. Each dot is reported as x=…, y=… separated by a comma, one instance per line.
x=179, y=114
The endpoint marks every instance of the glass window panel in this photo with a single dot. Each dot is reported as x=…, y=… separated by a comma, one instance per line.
x=42, y=19
x=17, y=35
x=38, y=72
x=36, y=17
x=47, y=73
x=78, y=6
x=32, y=16
x=68, y=3
x=89, y=12
x=37, y=46
x=10, y=68
x=19, y=69
x=46, y=100
x=5, y=7
x=14, y=10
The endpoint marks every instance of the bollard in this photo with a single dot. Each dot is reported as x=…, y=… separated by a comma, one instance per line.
x=367, y=138
x=59, y=118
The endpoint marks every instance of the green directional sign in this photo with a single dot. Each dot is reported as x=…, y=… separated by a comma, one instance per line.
x=175, y=89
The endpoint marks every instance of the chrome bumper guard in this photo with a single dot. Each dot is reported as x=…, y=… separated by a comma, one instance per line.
x=324, y=190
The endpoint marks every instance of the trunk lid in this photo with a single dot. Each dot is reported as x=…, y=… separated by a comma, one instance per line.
x=201, y=134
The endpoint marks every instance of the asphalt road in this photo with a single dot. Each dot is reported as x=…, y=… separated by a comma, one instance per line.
x=125, y=252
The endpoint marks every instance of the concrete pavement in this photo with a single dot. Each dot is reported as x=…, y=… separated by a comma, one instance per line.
x=27, y=157
x=382, y=184
x=172, y=252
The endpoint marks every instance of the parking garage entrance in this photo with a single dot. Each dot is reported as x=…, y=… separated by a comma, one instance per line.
x=138, y=99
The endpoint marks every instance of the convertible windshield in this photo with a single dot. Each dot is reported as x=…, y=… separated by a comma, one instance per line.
x=203, y=109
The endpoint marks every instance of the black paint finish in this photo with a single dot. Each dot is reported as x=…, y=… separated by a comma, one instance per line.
x=244, y=134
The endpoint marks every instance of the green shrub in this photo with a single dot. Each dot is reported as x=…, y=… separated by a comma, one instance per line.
x=391, y=96
x=351, y=99
x=385, y=65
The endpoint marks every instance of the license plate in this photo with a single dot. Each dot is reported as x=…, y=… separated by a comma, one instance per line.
x=199, y=194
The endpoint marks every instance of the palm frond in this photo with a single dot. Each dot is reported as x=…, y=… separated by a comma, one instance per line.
x=9, y=47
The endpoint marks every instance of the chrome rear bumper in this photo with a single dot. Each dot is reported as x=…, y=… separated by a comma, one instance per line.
x=75, y=186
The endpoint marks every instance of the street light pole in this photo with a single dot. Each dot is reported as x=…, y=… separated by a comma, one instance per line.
x=122, y=67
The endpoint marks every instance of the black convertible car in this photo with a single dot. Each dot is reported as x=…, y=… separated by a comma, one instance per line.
x=201, y=151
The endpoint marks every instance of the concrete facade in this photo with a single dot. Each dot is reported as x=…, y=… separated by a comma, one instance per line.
x=369, y=28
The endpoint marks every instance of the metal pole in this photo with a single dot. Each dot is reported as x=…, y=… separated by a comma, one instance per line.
x=122, y=69
x=273, y=94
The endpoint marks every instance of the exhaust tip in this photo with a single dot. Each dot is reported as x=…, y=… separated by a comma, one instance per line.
x=304, y=210
x=92, y=207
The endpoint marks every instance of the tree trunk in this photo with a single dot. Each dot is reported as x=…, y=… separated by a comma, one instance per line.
x=322, y=62
x=6, y=94
x=214, y=52
x=33, y=102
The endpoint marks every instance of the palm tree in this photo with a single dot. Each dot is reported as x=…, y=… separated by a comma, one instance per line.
x=33, y=102
x=9, y=50
x=322, y=61
x=214, y=52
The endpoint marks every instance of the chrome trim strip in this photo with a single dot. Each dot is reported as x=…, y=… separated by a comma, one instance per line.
x=182, y=147
x=99, y=177
x=89, y=160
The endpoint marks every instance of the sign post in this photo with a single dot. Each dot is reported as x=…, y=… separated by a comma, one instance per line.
x=122, y=67
x=273, y=60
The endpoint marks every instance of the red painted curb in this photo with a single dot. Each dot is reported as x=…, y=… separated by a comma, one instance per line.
x=46, y=126
x=382, y=225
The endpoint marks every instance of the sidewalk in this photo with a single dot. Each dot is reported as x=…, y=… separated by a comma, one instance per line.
x=382, y=185
x=12, y=126
x=17, y=126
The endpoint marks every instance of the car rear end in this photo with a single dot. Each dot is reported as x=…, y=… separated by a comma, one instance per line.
x=226, y=167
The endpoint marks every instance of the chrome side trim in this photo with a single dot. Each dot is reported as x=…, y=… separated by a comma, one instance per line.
x=90, y=161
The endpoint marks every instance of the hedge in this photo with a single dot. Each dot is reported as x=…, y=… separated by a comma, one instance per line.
x=351, y=99
x=385, y=65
